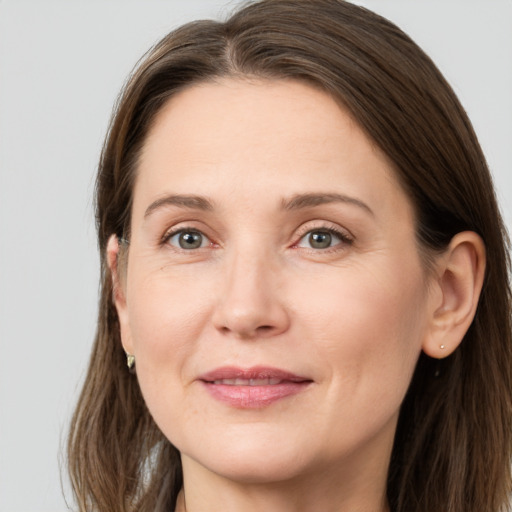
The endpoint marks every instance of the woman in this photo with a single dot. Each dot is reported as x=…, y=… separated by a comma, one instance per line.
x=304, y=268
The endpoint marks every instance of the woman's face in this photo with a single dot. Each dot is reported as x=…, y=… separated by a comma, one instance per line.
x=274, y=297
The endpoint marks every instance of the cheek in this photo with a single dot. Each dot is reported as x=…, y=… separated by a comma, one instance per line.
x=166, y=322
x=368, y=323
x=167, y=315
x=367, y=334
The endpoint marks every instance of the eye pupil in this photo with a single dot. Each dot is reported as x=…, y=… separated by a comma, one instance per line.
x=320, y=239
x=190, y=240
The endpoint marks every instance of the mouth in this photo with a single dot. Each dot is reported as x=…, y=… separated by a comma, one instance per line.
x=252, y=388
x=248, y=382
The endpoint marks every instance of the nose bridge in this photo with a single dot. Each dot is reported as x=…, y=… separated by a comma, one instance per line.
x=249, y=303
x=250, y=265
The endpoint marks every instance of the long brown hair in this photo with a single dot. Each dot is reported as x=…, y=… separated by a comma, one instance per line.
x=452, y=450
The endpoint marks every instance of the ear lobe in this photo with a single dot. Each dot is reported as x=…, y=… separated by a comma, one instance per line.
x=460, y=272
x=119, y=291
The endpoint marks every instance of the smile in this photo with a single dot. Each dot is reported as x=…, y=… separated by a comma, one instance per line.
x=253, y=388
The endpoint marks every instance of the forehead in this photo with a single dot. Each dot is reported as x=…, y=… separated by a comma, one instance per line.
x=270, y=112
x=244, y=136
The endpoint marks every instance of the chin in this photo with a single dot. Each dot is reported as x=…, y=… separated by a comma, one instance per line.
x=253, y=462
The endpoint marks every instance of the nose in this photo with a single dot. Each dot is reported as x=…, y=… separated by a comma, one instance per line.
x=249, y=304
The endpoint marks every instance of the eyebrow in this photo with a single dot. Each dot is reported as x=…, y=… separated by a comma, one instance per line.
x=300, y=201
x=296, y=202
x=183, y=201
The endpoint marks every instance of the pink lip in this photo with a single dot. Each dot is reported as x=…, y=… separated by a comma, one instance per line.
x=254, y=396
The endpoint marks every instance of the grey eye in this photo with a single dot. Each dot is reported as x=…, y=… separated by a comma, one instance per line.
x=188, y=239
x=319, y=239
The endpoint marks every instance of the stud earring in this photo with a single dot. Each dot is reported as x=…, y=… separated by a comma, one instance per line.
x=130, y=361
x=442, y=347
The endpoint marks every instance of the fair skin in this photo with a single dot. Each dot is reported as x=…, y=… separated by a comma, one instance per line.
x=268, y=231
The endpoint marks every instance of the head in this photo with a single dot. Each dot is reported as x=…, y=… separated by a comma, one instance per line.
x=457, y=399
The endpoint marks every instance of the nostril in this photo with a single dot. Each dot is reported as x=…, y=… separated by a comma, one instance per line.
x=260, y=331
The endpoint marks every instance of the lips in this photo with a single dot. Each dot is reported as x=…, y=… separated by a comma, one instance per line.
x=252, y=388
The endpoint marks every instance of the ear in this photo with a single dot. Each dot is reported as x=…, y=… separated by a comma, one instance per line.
x=460, y=275
x=117, y=273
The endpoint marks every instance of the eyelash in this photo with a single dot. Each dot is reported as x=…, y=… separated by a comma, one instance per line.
x=342, y=236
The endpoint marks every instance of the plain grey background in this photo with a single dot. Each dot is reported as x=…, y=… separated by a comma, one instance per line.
x=62, y=64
